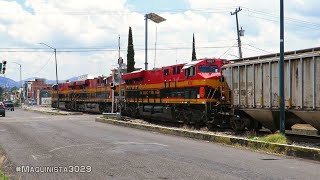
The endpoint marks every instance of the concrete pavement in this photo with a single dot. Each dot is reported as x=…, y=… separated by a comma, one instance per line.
x=114, y=152
x=49, y=110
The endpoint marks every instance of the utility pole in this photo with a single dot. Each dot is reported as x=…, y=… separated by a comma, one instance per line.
x=146, y=43
x=281, y=70
x=120, y=61
x=20, y=84
x=57, y=81
x=239, y=32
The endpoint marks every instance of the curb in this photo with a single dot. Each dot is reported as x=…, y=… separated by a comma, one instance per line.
x=53, y=113
x=288, y=150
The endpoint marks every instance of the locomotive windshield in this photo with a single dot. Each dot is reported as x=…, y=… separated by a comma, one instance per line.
x=208, y=69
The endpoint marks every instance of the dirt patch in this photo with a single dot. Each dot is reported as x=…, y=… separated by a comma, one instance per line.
x=6, y=166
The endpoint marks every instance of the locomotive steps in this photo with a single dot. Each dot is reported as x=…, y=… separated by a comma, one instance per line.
x=289, y=150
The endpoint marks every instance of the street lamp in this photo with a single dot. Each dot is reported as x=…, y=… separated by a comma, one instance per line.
x=157, y=19
x=55, y=57
x=20, y=84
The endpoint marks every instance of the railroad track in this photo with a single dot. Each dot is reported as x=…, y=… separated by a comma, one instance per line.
x=297, y=139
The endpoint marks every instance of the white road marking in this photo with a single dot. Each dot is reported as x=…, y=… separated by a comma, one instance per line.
x=76, y=145
x=34, y=157
x=41, y=156
x=137, y=143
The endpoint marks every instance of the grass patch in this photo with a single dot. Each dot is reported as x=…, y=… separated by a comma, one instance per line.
x=272, y=138
x=3, y=176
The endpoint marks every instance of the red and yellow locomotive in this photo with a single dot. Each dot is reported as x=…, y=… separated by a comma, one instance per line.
x=194, y=92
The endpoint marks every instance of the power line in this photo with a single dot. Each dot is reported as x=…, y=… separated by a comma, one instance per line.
x=228, y=50
x=42, y=66
x=258, y=48
x=112, y=50
x=275, y=18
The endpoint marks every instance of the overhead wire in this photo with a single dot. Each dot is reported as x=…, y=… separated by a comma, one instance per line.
x=48, y=60
x=258, y=48
x=107, y=50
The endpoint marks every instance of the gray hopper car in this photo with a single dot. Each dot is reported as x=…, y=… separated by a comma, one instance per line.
x=254, y=87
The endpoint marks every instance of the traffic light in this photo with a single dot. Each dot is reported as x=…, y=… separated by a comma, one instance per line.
x=3, y=70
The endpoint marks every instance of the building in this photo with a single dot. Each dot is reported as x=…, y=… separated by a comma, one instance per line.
x=38, y=92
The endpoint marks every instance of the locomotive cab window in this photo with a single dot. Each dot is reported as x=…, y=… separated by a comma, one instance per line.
x=166, y=72
x=179, y=69
x=208, y=69
x=192, y=71
x=174, y=70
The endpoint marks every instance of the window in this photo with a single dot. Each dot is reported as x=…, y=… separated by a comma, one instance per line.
x=174, y=70
x=186, y=72
x=208, y=69
x=192, y=71
x=178, y=69
x=166, y=72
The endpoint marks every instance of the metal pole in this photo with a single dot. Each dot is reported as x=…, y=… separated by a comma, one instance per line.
x=238, y=31
x=112, y=104
x=57, y=81
x=119, y=72
x=146, y=43
x=281, y=70
x=20, y=84
x=20, y=87
x=155, y=48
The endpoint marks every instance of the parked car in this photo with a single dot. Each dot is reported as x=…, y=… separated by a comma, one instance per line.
x=9, y=105
x=2, y=109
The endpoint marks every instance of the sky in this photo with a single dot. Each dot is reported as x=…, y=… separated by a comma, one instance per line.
x=85, y=33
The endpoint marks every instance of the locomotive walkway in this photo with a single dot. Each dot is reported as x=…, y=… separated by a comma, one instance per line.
x=113, y=152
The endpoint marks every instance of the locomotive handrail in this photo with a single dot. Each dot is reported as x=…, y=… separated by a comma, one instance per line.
x=209, y=93
x=213, y=93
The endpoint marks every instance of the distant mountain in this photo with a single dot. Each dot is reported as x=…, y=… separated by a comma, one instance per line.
x=8, y=83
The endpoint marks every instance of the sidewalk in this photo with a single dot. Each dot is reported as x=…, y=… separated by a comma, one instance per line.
x=49, y=110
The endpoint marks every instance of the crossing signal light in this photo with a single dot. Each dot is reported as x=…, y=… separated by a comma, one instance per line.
x=3, y=70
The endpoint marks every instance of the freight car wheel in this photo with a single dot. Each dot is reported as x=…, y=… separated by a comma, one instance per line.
x=237, y=123
x=182, y=117
x=136, y=113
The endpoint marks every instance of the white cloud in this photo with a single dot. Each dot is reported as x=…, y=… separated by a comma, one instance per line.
x=97, y=23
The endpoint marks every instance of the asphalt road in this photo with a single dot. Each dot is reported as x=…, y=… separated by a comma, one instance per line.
x=34, y=140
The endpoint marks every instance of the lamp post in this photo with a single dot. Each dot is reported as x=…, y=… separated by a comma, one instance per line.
x=157, y=19
x=55, y=57
x=20, y=85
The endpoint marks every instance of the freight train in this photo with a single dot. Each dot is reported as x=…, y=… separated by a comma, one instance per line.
x=241, y=93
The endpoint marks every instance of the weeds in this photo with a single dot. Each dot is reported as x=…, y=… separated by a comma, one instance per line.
x=3, y=176
x=272, y=138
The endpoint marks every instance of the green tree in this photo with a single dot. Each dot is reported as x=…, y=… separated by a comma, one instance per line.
x=1, y=93
x=14, y=89
x=193, y=50
x=130, y=55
